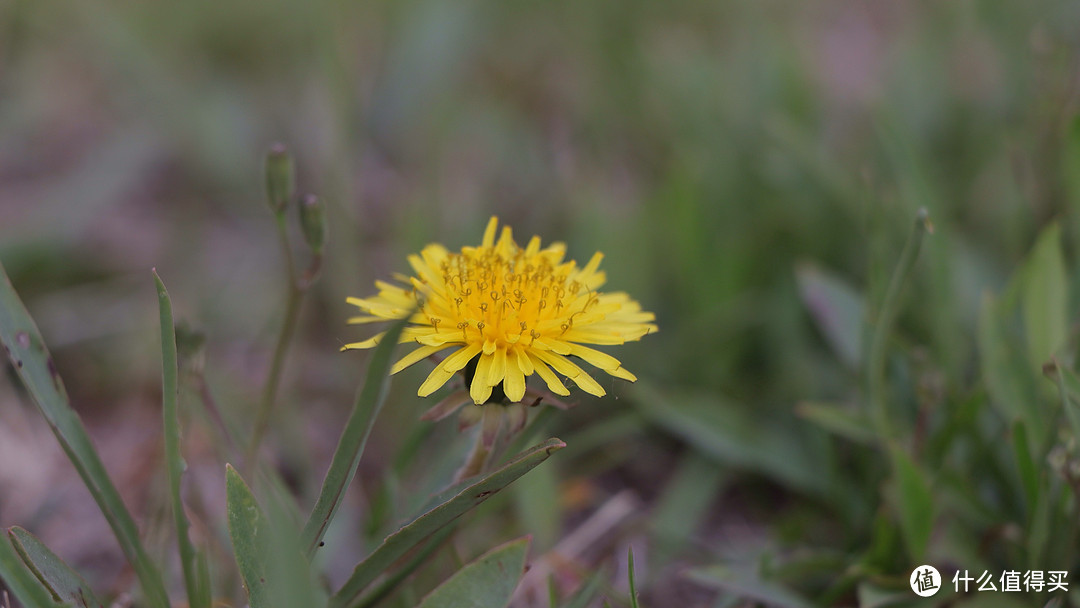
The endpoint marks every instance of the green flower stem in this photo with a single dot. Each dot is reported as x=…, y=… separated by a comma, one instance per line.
x=477, y=461
x=886, y=317
x=297, y=287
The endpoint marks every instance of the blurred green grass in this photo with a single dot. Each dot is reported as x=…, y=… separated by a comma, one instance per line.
x=709, y=149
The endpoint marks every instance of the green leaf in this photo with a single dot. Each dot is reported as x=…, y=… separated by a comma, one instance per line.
x=913, y=501
x=451, y=505
x=174, y=462
x=57, y=576
x=421, y=555
x=1025, y=464
x=747, y=585
x=588, y=591
x=30, y=357
x=1045, y=297
x=692, y=487
x=730, y=433
x=853, y=425
x=488, y=582
x=369, y=401
x=1008, y=379
x=630, y=576
x=23, y=584
x=837, y=308
x=537, y=502
x=1067, y=385
x=249, y=531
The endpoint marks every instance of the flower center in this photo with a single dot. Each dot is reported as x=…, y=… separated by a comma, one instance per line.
x=511, y=298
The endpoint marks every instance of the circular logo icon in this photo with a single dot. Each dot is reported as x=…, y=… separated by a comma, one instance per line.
x=925, y=581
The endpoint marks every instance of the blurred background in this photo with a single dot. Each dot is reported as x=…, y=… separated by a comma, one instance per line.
x=751, y=171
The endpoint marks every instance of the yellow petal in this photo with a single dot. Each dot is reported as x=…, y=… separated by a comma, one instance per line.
x=417, y=355
x=514, y=385
x=489, y=232
x=435, y=380
x=498, y=367
x=460, y=358
x=593, y=264
x=480, y=389
x=369, y=343
x=566, y=367
x=533, y=247
x=363, y=320
x=524, y=363
x=553, y=383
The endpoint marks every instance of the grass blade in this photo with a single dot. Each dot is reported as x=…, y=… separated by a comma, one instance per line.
x=174, y=461
x=387, y=586
x=350, y=448
x=469, y=494
x=26, y=348
x=21, y=581
x=488, y=582
x=890, y=308
x=630, y=575
x=57, y=576
x=249, y=531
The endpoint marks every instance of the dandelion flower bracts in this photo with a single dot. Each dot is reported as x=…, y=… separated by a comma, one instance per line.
x=505, y=313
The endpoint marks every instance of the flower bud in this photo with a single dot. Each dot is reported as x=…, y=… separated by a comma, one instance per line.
x=313, y=222
x=280, y=177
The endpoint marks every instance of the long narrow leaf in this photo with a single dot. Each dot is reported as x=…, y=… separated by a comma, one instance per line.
x=57, y=576
x=173, y=459
x=421, y=555
x=18, y=578
x=488, y=582
x=249, y=531
x=369, y=401
x=475, y=492
x=26, y=349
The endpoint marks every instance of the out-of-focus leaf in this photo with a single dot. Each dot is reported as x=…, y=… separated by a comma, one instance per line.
x=747, y=585
x=1068, y=387
x=914, y=503
x=1008, y=378
x=57, y=576
x=845, y=422
x=1045, y=297
x=872, y=596
x=537, y=502
x=586, y=593
x=23, y=584
x=733, y=435
x=1025, y=464
x=366, y=408
x=488, y=582
x=452, y=504
x=685, y=501
x=26, y=348
x=250, y=534
x=837, y=308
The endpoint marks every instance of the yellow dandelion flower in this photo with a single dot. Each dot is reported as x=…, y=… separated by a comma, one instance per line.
x=508, y=313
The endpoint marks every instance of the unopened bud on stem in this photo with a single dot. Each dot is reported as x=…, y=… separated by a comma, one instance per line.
x=313, y=222
x=280, y=177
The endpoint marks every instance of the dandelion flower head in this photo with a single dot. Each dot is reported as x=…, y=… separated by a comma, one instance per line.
x=509, y=311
